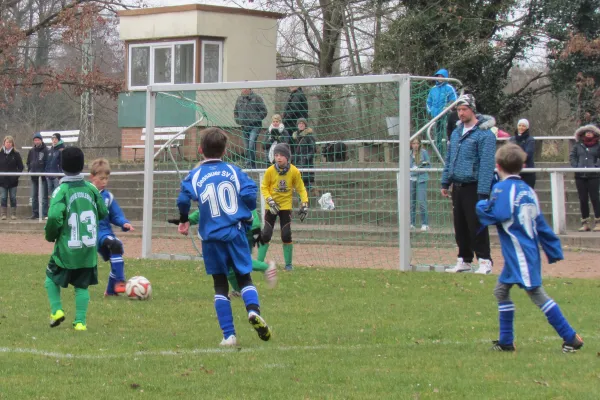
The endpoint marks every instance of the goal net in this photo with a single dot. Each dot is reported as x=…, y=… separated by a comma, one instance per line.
x=360, y=198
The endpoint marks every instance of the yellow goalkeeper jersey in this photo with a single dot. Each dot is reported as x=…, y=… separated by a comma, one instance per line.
x=280, y=187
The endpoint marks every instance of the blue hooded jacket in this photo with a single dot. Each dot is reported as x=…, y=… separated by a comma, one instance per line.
x=440, y=95
x=470, y=158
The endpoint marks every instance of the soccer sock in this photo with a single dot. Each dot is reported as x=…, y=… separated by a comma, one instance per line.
x=224, y=315
x=53, y=295
x=250, y=297
x=82, y=300
x=288, y=250
x=259, y=266
x=233, y=280
x=117, y=267
x=558, y=321
x=262, y=251
x=506, y=316
x=110, y=286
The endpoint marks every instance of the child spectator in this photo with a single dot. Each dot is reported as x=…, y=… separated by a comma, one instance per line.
x=277, y=188
x=75, y=208
x=277, y=134
x=586, y=154
x=225, y=216
x=515, y=210
x=419, y=158
x=304, y=149
x=109, y=246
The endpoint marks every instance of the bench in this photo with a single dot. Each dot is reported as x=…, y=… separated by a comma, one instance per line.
x=161, y=136
x=68, y=137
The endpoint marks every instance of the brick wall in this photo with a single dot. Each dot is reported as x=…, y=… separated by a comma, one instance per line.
x=129, y=137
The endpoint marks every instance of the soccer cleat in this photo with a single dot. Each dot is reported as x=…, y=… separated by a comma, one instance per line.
x=573, y=346
x=485, y=267
x=119, y=287
x=231, y=341
x=460, y=266
x=271, y=275
x=502, y=347
x=259, y=325
x=106, y=294
x=289, y=267
x=235, y=293
x=57, y=318
x=79, y=326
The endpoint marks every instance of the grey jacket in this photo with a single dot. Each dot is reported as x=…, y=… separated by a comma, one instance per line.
x=249, y=110
x=583, y=156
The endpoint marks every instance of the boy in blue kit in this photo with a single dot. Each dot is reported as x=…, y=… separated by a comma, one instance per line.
x=109, y=246
x=515, y=210
x=226, y=197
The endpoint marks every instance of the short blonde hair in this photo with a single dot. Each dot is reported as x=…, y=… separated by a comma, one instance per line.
x=10, y=139
x=276, y=117
x=99, y=166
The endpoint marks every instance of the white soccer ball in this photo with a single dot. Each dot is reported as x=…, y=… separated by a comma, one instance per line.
x=138, y=288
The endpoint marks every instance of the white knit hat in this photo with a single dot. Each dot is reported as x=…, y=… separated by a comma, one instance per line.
x=524, y=122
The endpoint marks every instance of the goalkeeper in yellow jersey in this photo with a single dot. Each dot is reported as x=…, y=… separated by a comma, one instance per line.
x=277, y=188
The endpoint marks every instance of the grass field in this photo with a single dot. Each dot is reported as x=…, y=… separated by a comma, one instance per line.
x=338, y=334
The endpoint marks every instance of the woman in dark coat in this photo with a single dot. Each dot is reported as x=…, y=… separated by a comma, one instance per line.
x=586, y=154
x=10, y=161
x=524, y=139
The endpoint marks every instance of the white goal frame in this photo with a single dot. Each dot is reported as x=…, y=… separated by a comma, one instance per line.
x=404, y=118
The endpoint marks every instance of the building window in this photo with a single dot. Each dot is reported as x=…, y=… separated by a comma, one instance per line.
x=161, y=62
x=212, y=61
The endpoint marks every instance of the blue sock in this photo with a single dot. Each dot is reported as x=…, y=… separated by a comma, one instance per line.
x=117, y=266
x=250, y=297
x=110, y=287
x=224, y=315
x=506, y=316
x=558, y=321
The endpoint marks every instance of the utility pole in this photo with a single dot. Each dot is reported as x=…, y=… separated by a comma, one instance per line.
x=86, y=117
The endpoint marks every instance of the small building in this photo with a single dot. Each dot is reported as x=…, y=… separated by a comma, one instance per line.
x=192, y=43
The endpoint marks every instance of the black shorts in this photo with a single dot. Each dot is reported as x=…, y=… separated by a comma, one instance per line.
x=80, y=277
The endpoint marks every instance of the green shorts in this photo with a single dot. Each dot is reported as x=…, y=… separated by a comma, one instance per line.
x=80, y=277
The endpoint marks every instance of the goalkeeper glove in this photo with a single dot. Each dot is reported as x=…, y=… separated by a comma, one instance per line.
x=273, y=206
x=174, y=221
x=257, y=238
x=303, y=211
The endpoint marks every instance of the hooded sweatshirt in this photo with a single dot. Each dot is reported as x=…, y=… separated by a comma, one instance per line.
x=440, y=95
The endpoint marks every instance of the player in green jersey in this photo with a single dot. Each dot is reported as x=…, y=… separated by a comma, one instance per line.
x=76, y=207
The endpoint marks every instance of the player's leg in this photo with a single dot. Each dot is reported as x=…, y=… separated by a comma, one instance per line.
x=266, y=235
x=235, y=288
x=285, y=223
x=572, y=341
x=506, y=318
x=461, y=233
x=82, y=301
x=112, y=250
x=54, y=278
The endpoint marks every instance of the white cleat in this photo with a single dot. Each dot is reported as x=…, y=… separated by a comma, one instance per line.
x=231, y=341
x=460, y=266
x=271, y=275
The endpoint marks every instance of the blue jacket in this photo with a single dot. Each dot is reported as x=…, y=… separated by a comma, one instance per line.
x=470, y=157
x=420, y=176
x=515, y=210
x=224, y=193
x=440, y=96
x=54, y=164
x=115, y=217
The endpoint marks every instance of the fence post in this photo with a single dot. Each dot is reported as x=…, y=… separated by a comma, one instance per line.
x=557, y=188
x=40, y=204
x=403, y=176
x=261, y=178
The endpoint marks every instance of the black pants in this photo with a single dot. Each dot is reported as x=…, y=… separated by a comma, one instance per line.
x=588, y=188
x=470, y=237
x=285, y=224
x=529, y=178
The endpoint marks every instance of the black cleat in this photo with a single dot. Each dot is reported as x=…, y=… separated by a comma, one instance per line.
x=259, y=325
x=573, y=346
x=502, y=347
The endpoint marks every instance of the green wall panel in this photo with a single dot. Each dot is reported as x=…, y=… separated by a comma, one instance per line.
x=132, y=110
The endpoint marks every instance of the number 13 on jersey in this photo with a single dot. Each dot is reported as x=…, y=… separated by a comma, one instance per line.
x=84, y=221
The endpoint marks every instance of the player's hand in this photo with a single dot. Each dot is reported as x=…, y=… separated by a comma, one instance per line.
x=128, y=227
x=445, y=193
x=256, y=236
x=273, y=206
x=303, y=211
x=174, y=221
x=184, y=228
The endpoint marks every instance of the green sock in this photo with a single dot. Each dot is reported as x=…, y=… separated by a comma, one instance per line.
x=288, y=249
x=262, y=251
x=82, y=300
x=53, y=295
x=233, y=280
x=259, y=266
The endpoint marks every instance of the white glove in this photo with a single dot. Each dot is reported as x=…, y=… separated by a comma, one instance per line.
x=303, y=211
x=273, y=206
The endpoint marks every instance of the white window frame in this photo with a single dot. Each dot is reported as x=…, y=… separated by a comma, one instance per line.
x=153, y=46
x=220, y=43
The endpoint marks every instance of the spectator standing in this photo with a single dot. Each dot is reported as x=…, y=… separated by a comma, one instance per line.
x=304, y=150
x=295, y=107
x=277, y=134
x=249, y=112
x=440, y=96
x=586, y=154
x=419, y=158
x=10, y=161
x=469, y=171
x=36, y=162
x=527, y=143
x=54, y=164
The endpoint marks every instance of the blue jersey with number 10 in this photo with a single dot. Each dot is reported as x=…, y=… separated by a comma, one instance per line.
x=226, y=197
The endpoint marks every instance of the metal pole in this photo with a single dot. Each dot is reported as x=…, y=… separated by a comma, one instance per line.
x=40, y=207
x=404, y=172
x=557, y=188
x=148, y=174
x=261, y=178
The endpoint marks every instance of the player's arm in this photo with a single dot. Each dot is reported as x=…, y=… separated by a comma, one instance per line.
x=117, y=217
x=56, y=217
x=495, y=210
x=549, y=241
x=184, y=200
x=299, y=186
x=265, y=187
x=248, y=190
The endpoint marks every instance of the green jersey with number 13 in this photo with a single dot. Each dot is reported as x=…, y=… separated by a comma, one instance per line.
x=75, y=209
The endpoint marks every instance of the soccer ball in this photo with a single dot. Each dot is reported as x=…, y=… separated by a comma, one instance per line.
x=138, y=288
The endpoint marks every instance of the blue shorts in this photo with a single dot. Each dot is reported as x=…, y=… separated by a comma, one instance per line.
x=219, y=256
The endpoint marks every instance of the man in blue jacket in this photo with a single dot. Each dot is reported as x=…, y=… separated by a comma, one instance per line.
x=469, y=170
